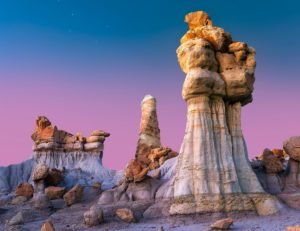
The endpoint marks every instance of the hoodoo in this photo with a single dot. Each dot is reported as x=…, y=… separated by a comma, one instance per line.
x=213, y=172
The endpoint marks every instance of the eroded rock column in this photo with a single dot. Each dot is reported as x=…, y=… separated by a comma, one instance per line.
x=213, y=172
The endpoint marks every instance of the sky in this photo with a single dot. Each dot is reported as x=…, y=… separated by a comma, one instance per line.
x=87, y=65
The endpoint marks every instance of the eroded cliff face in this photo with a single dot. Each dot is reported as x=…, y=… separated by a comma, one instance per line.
x=213, y=172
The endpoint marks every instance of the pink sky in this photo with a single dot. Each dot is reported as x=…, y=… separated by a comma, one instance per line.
x=115, y=107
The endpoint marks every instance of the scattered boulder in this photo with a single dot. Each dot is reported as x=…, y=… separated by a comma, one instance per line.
x=47, y=226
x=17, y=219
x=24, y=189
x=93, y=217
x=223, y=224
x=54, y=192
x=125, y=214
x=40, y=172
x=74, y=195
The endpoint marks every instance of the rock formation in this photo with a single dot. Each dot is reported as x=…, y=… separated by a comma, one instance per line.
x=213, y=172
x=291, y=190
x=12, y=175
x=149, y=152
x=278, y=171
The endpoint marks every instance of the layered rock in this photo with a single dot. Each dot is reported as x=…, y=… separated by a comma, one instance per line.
x=149, y=152
x=213, y=172
x=60, y=150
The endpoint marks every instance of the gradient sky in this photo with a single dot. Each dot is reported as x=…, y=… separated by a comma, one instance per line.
x=86, y=65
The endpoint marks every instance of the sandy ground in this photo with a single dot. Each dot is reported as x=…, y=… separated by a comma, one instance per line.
x=70, y=219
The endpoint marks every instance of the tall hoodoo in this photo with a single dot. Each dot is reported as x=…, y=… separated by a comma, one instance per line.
x=150, y=154
x=213, y=172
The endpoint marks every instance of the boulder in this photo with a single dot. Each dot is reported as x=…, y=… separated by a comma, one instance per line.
x=54, y=192
x=24, y=189
x=47, y=226
x=197, y=53
x=292, y=147
x=125, y=214
x=271, y=163
x=40, y=172
x=223, y=224
x=100, y=133
x=215, y=36
x=93, y=217
x=17, y=219
x=227, y=61
x=237, y=46
x=43, y=129
x=197, y=19
x=92, y=139
x=74, y=195
x=279, y=153
x=239, y=84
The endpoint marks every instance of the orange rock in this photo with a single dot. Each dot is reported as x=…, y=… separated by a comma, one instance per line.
x=125, y=215
x=216, y=36
x=24, y=189
x=43, y=129
x=188, y=36
x=92, y=139
x=197, y=19
x=74, y=195
x=237, y=46
x=278, y=153
x=100, y=133
x=271, y=163
x=292, y=228
x=223, y=224
x=133, y=169
x=47, y=226
x=54, y=192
